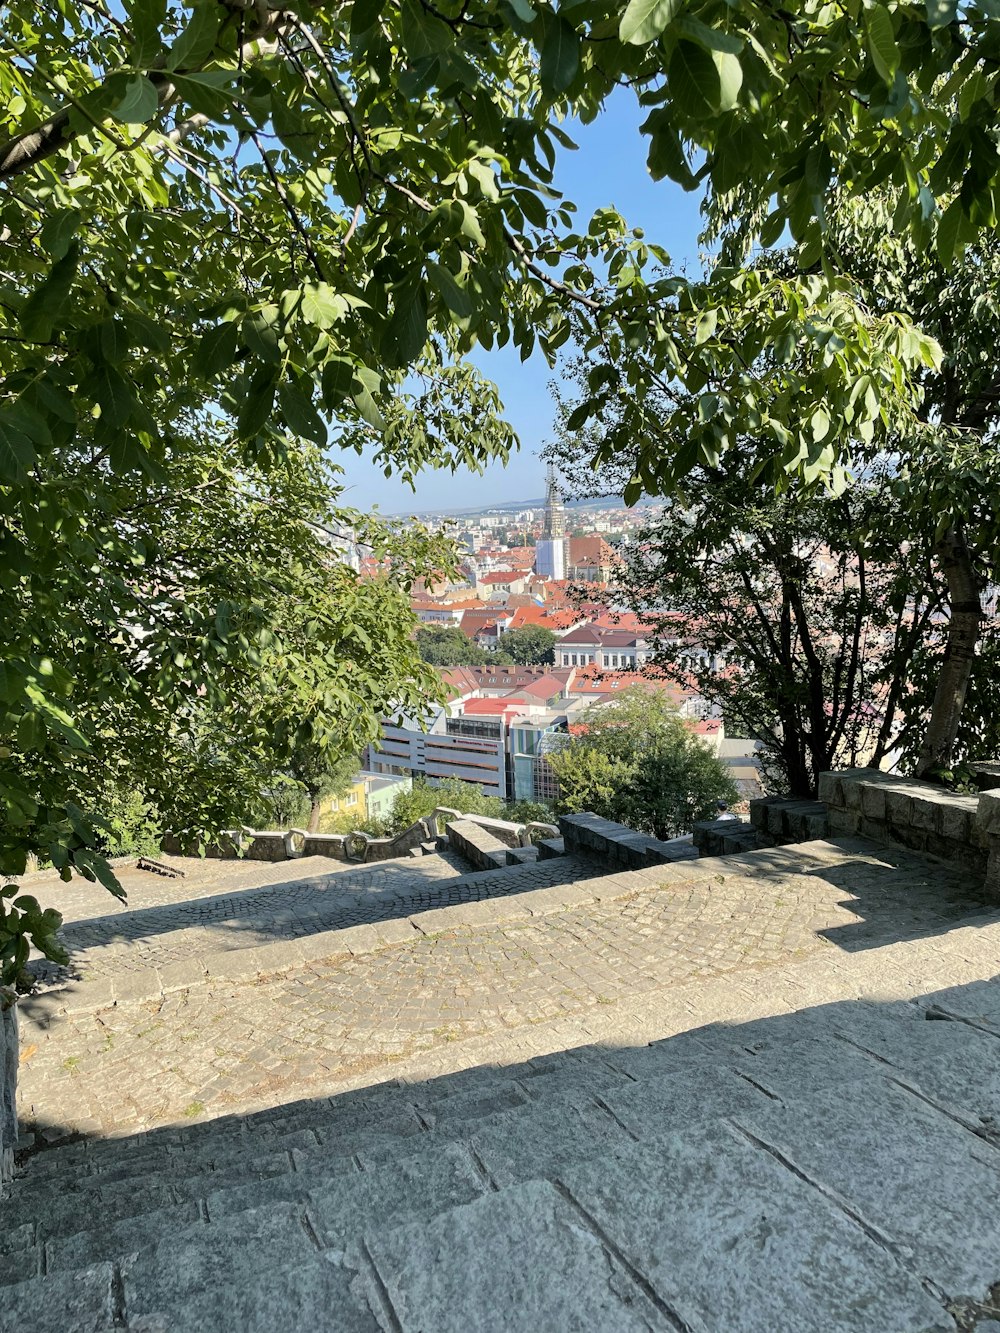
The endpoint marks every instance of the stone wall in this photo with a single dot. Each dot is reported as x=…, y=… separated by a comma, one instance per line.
x=618, y=846
x=957, y=828
x=8, y=1088
x=780, y=820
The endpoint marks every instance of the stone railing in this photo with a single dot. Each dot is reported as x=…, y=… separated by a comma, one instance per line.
x=477, y=844
x=962, y=829
x=356, y=847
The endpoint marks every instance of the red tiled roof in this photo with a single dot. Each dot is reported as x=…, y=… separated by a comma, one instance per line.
x=533, y=614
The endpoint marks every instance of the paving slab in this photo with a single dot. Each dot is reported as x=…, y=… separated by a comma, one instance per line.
x=751, y=1246
x=74, y=1302
x=928, y=1184
x=556, y=1274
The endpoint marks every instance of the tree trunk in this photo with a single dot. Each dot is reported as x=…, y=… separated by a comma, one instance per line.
x=965, y=621
x=315, y=810
x=8, y=1088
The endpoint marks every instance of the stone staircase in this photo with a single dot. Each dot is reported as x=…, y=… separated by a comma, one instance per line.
x=618, y=1088
x=814, y=1172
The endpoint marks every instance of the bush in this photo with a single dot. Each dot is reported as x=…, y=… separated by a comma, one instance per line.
x=131, y=828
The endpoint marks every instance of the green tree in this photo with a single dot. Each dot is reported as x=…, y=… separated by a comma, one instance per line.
x=228, y=231
x=446, y=645
x=321, y=771
x=636, y=761
x=798, y=616
x=532, y=645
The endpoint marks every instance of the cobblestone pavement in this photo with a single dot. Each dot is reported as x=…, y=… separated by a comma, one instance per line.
x=205, y=877
x=220, y=1045
x=156, y=936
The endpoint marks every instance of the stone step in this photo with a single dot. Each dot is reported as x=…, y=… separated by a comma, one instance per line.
x=82, y=1301
x=513, y=1137
x=393, y=1116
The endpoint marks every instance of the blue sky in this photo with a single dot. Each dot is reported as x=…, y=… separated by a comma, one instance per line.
x=608, y=168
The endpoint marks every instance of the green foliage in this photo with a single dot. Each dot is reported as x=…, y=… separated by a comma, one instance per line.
x=234, y=236
x=409, y=806
x=321, y=770
x=23, y=924
x=447, y=646
x=638, y=763
x=532, y=645
x=131, y=826
x=798, y=616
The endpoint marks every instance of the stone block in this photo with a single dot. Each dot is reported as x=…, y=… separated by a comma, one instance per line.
x=926, y=814
x=816, y=824
x=136, y=987
x=992, y=884
x=845, y=822
x=988, y=813
x=876, y=829
x=986, y=774
x=60, y=1302
x=956, y=820
x=739, y=1204
x=550, y=848
x=88, y=997
x=873, y=801
x=520, y=1260
x=179, y=976
x=831, y=790
x=899, y=807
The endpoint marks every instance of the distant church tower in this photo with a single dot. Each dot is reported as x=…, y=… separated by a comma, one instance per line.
x=550, y=549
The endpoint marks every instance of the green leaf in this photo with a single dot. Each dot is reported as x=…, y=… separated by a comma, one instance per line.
x=730, y=79
x=523, y=10
x=256, y=407
x=112, y=391
x=322, y=306
x=45, y=304
x=456, y=298
x=948, y=231
x=365, y=14
x=882, y=43
x=338, y=381
x=300, y=414
x=693, y=80
x=58, y=232
x=30, y=736
x=16, y=453
x=217, y=348
x=941, y=12
x=712, y=39
x=140, y=103
x=366, y=405
x=560, y=57
x=579, y=416
x=406, y=332
x=423, y=34
x=644, y=20
x=706, y=325
x=146, y=19
x=197, y=42
x=666, y=152
x=819, y=423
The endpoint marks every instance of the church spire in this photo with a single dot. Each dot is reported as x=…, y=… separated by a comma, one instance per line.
x=555, y=517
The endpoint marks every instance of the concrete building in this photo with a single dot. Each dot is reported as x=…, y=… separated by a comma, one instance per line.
x=609, y=649
x=381, y=790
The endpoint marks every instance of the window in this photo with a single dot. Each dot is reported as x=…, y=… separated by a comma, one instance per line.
x=565, y=658
x=351, y=798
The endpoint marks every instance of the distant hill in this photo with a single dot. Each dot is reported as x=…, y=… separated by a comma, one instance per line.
x=512, y=506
